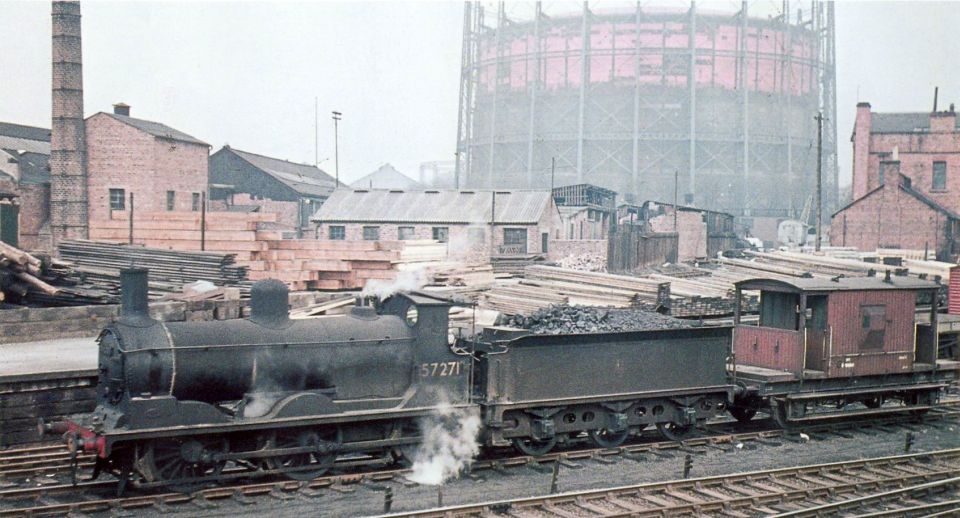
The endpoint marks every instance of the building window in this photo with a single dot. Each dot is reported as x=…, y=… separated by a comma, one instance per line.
x=118, y=199
x=171, y=196
x=371, y=233
x=889, y=170
x=405, y=233
x=441, y=234
x=939, y=176
x=337, y=232
x=195, y=201
x=515, y=236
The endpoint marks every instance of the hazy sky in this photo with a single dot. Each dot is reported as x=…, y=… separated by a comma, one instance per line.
x=247, y=73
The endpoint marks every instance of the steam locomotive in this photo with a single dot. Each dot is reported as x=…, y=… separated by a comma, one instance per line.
x=182, y=403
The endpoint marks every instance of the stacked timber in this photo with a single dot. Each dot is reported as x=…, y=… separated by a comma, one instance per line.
x=514, y=264
x=42, y=281
x=229, y=232
x=99, y=263
x=310, y=264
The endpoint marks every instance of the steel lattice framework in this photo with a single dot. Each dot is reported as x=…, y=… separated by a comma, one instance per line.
x=629, y=99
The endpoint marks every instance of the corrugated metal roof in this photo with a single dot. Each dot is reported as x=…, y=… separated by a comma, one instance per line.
x=466, y=206
x=897, y=282
x=157, y=129
x=8, y=129
x=387, y=177
x=303, y=178
x=901, y=122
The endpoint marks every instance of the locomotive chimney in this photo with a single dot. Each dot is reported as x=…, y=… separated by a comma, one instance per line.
x=269, y=303
x=134, y=309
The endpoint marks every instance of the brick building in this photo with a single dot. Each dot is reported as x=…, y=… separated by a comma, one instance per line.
x=164, y=168
x=25, y=184
x=906, y=182
x=240, y=180
x=701, y=233
x=895, y=215
x=475, y=224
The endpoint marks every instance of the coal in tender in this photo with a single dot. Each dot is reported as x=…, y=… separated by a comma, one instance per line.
x=564, y=319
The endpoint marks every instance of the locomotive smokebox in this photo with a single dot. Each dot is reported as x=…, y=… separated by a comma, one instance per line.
x=269, y=303
x=134, y=309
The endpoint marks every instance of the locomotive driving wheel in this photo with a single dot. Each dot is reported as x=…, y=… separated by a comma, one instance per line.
x=181, y=463
x=305, y=466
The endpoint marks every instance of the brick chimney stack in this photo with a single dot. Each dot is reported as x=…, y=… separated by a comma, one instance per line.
x=861, y=150
x=68, y=174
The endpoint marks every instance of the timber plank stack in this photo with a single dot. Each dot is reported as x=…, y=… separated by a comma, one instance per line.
x=34, y=281
x=100, y=263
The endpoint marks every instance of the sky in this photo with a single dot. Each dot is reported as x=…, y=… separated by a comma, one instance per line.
x=249, y=74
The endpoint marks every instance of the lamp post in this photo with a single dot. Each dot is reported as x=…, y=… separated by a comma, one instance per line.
x=336, y=146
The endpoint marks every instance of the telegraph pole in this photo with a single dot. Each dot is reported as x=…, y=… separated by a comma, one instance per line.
x=676, y=199
x=819, y=118
x=336, y=146
x=553, y=172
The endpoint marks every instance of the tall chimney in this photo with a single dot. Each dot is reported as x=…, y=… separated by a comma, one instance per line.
x=68, y=173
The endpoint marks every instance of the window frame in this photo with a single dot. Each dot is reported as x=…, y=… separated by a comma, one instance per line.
x=444, y=231
x=400, y=233
x=112, y=201
x=376, y=233
x=195, y=201
x=933, y=176
x=337, y=232
x=171, y=200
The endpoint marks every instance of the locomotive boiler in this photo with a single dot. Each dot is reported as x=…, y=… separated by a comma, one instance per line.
x=178, y=400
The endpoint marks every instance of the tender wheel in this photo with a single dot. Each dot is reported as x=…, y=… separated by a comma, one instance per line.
x=779, y=413
x=533, y=447
x=742, y=414
x=606, y=439
x=305, y=466
x=673, y=431
x=178, y=463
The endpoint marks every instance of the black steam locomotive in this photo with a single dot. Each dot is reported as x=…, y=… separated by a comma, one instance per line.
x=188, y=402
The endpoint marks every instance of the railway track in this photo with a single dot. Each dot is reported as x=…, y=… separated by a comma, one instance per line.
x=49, y=492
x=816, y=490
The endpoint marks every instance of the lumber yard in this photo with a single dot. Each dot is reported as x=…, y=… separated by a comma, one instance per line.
x=640, y=287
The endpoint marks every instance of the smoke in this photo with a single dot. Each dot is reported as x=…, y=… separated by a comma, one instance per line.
x=408, y=280
x=449, y=444
x=265, y=391
x=469, y=244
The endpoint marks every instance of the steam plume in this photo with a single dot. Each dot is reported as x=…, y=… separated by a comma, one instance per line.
x=408, y=280
x=449, y=444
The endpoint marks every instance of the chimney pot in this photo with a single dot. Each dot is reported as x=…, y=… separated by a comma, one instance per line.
x=121, y=109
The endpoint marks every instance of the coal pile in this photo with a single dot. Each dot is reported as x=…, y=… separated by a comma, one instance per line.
x=580, y=319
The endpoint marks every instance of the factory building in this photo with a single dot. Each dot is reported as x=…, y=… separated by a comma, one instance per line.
x=475, y=224
x=244, y=181
x=906, y=183
x=719, y=105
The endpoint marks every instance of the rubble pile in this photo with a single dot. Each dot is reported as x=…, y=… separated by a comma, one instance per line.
x=564, y=319
x=584, y=262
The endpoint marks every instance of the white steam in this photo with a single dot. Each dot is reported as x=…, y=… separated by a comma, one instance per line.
x=449, y=444
x=408, y=280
